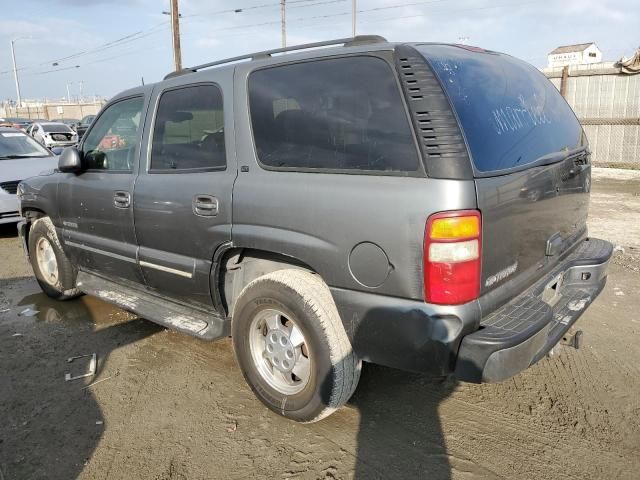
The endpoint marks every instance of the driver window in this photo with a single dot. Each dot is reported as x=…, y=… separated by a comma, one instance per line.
x=112, y=142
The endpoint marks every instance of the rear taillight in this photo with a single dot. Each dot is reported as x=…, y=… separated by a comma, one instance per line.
x=452, y=253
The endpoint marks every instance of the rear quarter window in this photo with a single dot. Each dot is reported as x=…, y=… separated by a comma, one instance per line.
x=333, y=114
x=510, y=113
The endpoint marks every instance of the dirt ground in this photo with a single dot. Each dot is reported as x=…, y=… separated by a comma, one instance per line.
x=166, y=406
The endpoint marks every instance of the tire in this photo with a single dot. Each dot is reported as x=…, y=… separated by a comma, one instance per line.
x=46, y=255
x=304, y=302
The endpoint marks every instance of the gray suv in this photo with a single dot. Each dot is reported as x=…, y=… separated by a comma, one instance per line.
x=421, y=206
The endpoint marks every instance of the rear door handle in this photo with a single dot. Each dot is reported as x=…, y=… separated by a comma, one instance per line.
x=121, y=199
x=205, y=205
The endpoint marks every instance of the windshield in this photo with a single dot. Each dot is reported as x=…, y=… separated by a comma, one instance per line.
x=87, y=120
x=510, y=113
x=18, y=145
x=56, y=127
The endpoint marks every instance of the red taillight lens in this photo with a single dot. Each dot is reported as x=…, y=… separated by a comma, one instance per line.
x=452, y=253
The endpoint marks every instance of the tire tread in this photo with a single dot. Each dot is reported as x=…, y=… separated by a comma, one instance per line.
x=317, y=297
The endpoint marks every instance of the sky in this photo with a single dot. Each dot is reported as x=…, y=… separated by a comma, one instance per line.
x=104, y=46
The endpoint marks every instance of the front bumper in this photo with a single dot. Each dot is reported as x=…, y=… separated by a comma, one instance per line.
x=521, y=332
x=9, y=209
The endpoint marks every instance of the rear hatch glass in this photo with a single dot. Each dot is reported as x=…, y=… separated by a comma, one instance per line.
x=511, y=115
x=532, y=170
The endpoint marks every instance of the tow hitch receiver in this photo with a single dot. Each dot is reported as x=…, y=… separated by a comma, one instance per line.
x=570, y=339
x=573, y=339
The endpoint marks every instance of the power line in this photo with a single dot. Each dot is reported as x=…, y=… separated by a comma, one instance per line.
x=155, y=29
x=130, y=38
x=133, y=37
x=450, y=11
x=290, y=4
x=385, y=19
x=332, y=15
x=132, y=49
x=57, y=70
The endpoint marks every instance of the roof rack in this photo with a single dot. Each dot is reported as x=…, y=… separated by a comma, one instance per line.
x=347, y=42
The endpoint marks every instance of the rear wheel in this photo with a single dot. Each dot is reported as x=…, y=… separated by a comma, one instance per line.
x=53, y=270
x=292, y=347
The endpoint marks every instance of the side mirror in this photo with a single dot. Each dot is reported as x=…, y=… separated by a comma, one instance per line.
x=70, y=160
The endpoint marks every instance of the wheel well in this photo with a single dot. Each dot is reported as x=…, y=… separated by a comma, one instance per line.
x=31, y=215
x=240, y=266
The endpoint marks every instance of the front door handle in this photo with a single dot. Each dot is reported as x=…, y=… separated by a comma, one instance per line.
x=205, y=205
x=122, y=199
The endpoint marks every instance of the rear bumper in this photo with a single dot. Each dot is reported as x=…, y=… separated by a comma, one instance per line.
x=57, y=143
x=521, y=332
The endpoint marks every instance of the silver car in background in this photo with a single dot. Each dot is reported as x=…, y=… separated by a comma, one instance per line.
x=20, y=157
x=53, y=134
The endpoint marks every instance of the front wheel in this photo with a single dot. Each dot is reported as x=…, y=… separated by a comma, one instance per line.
x=53, y=270
x=292, y=347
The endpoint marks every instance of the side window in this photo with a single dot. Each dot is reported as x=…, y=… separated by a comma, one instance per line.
x=336, y=114
x=113, y=140
x=189, y=130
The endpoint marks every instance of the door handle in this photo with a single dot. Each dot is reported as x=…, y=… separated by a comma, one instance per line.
x=205, y=205
x=122, y=199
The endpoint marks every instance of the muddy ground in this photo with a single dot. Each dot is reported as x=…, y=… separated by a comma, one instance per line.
x=166, y=406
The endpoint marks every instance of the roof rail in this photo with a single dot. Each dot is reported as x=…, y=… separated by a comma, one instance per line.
x=347, y=42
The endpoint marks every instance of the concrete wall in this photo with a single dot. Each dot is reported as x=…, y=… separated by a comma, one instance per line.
x=52, y=111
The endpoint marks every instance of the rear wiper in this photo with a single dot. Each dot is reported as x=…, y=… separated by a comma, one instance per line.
x=556, y=157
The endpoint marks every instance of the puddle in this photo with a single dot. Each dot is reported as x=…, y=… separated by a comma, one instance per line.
x=27, y=304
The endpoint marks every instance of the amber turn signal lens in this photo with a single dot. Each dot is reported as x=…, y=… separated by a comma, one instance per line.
x=455, y=228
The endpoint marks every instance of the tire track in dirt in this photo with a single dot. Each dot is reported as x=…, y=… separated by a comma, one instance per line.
x=568, y=383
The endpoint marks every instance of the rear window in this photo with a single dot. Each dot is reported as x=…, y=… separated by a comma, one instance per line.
x=56, y=127
x=189, y=130
x=334, y=114
x=510, y=113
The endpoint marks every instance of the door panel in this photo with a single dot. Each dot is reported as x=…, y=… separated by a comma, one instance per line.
x=96, y=211
x=182, y=202
x=99, y=235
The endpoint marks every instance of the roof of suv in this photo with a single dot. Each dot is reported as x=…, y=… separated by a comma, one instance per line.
x=362, y=43
x=357, y=44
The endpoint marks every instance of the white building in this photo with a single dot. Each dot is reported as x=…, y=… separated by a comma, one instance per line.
x=580, y=54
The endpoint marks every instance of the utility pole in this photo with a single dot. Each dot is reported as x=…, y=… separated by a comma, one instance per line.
x=175, y=29
x=353, y=18
x=283, y=16
x=15, y=72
